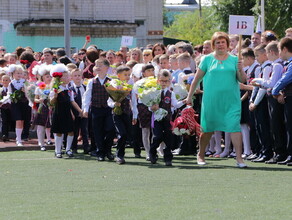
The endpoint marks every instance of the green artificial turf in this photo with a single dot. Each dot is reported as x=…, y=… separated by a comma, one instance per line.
x=35, y=185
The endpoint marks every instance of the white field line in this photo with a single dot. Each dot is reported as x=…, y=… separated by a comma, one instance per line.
x=28, y=159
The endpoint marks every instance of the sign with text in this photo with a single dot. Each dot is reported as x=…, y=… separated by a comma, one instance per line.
x=242, y=25
x=127, y=41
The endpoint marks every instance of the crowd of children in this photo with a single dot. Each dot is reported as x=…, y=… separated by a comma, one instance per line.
x=67, y=99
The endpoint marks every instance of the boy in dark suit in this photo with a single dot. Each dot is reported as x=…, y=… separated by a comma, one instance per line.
x=102, y=122
x=80, y=124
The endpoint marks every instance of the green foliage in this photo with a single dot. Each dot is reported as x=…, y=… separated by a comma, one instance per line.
x=277, y=20
x=189, y=26
x=278, y=13
x=224, y=8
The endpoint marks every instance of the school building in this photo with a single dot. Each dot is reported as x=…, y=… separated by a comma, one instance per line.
x=40, y=23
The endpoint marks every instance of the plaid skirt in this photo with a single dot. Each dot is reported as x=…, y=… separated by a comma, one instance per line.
x=43, y=118
x=144, y=115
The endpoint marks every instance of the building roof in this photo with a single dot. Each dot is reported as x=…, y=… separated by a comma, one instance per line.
x=178, y=2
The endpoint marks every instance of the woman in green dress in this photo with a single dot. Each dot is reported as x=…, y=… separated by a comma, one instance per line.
x=221, y=73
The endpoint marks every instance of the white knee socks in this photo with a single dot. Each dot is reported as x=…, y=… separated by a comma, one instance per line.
x=48, y=134
x=146, y=140
x=69, y=142
x=58, y=143
x=18, y=132
x=245, y=139
x=41, y=135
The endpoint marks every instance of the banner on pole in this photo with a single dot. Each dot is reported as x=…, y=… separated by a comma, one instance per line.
x=242, y=25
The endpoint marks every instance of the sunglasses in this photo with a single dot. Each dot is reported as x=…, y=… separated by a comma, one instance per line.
x=81, y=53
x=146, y=54
x=2, y=50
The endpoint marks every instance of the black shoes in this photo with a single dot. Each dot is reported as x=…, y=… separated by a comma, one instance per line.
x=275, y=159
x=110, y=156
x=252, y=157
x=288, y=160
x=261, y=159
x=137, y=155
x=5, y=138
x=120, y=160
x=100, y=159
x=168, y=163
x=93, y=154
x=69, y=153
x=153, y=159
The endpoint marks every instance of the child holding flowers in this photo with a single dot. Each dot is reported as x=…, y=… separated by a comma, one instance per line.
x=63, y=99
x=42, y=117
x=122, y=118
x=144, y=114
x=19, y=102
x=162, y=128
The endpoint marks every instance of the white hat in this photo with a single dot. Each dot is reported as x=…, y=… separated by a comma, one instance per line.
x=44, y=69
x=137, y=70
x=4, y=69
x=35, y=69
x=58, y=68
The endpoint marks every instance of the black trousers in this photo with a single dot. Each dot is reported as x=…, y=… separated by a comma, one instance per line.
x=277, y=119
x=103, y=130
x=162, y=132
x=90, y=132
x=81, y=124
x=254, y=140
x=263, y=128
x=136, y=138
x=288, y=120
x=26, y=123
x=123, y=128
x=6, y=121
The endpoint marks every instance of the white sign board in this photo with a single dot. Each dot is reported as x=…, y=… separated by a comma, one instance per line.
x=127, y=41
x=242, y=25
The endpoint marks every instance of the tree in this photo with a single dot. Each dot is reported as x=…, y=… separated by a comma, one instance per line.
x=190, y=26
x=278, y=13
x=224, y=8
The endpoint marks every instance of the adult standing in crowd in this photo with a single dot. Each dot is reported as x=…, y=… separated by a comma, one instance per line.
x=221, y=106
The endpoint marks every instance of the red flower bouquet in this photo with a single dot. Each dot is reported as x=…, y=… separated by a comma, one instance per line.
x=57, y=82
x=57, y=74
x=186, y=124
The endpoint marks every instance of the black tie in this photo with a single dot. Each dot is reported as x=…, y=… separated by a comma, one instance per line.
x=78, y=97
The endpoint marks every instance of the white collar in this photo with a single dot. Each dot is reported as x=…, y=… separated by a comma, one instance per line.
x=265, y=63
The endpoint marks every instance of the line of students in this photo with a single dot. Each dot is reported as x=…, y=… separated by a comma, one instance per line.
x=268, y=140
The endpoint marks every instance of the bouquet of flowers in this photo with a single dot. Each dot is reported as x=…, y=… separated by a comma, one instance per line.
x=16, y=96
x=1, y=90
x=186, y=124
x=118, y=91
x=57, y=82
x=180, y=91
x=44, y=95
x=149, y=92
x=29, y=89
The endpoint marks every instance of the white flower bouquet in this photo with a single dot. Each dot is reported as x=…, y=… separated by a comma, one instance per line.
x=180, y=91
x=149, y=92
